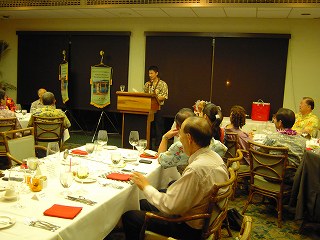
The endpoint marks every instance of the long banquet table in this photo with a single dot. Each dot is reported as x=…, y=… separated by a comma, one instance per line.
x=93, y=222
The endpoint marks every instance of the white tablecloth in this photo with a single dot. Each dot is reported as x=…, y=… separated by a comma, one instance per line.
x=93, y=222
x=23, y=119
x=253, y=126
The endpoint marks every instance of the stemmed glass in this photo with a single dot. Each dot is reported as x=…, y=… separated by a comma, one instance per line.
x=134, y=138
x=18, y=108
x=66, y=179
x=33, y=164
x=15, y=183
x=82, y=173
x=53, y=149
x=116, y=159
x=102, y=138
x=142, y=145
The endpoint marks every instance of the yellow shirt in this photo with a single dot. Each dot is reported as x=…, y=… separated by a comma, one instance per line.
x=308, y=123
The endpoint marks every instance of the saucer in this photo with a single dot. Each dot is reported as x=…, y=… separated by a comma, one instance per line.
x=86, y=180
x=9, y=197
x=109, y=147
x=6, y=221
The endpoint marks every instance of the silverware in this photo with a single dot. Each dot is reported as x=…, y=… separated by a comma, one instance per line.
x=41, y=224
x=82, y=200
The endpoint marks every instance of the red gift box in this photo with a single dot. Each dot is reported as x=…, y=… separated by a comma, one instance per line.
x=260, y=111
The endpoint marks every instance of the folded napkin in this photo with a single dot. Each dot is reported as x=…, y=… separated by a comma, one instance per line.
x=62, y=211
x=79, y=152
x=119, y=176
x=148, y=156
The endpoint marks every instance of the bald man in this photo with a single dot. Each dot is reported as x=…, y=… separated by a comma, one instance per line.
x=38, y=103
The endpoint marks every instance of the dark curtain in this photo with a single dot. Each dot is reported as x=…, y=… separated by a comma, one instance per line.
x=39, y=56
x=185, y=65
x=255, y=69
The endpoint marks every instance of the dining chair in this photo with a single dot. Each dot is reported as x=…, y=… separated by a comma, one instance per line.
x=235, y=164
x=246, y=229
x=6, y=124
x=213, y=218
x=20, y=145
x=267, y=170
x=231, y=142
x=48, y=129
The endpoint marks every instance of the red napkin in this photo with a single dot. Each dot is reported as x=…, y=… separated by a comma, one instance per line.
x=148, y=156
x=79, y=152
x=119, y=176
x=62, y=211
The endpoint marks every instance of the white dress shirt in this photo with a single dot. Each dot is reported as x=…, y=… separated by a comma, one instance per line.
x=190, y=194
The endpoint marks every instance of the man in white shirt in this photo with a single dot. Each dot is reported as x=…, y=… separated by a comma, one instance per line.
x=38, y=103
x=188, y=195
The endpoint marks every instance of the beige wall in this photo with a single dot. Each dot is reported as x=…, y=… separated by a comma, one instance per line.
x=303, y=67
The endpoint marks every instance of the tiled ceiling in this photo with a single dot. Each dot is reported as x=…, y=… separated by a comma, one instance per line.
x=141, y=11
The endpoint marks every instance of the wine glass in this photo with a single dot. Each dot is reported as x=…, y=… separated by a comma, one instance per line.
x=66, y=179
x=134, y=138
x=90, y=147
x=53, y=149
x=14, y=187
x=102, y=138
x=82, y=173
x=142, y=145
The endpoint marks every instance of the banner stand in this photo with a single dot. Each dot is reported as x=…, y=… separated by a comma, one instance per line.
x=101, y=79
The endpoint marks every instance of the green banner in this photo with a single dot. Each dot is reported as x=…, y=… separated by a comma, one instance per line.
x=101, y=77
x=63, y=77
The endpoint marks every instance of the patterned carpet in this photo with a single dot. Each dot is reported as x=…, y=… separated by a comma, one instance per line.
x=264, y=218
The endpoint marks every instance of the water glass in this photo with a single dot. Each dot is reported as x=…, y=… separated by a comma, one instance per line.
x=116, y=158
x=142, y=145
x=66, y=180
x=102, y=138
x=122, y=88
x=90, y=147
x=53, y=149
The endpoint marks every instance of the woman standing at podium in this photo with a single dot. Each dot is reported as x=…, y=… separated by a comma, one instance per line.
x=160, y=88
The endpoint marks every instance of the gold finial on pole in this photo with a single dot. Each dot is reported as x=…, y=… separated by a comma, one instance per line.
x=101, y=54
x=64, y=55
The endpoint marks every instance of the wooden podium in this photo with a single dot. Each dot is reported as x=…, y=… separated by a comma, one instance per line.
x=138, y=111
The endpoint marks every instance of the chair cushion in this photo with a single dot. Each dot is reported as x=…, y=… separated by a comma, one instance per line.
x=263, y=183
x=22, y=148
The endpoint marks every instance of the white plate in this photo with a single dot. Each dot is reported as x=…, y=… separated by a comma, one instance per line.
x=111, y=147
x=86, y=180
x=6, y=221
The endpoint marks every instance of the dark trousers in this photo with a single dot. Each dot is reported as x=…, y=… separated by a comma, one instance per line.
x=133, y=221
x=157, y=129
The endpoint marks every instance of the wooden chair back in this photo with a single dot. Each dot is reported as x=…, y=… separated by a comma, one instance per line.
x=231, y=142
x=48, y=129
x=19, y=144
x=267, y=171
x=6, y=124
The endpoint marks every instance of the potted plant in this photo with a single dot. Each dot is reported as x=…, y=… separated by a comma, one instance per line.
x=4, y=47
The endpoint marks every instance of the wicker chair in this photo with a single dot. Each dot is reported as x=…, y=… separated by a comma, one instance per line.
x=267, y=170
x=213, y=219
x=20, y=145
x=235, y=164
x=246, y=229
x=6, y=124
x=48, y=129
x=231, y=142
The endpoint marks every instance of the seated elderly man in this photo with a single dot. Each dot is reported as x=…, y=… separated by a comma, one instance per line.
x=49, y=110
x=38, y=103
x=188, y=195
x=306, y=122
x=4, y=112
x=286, y=137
